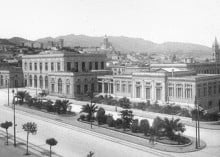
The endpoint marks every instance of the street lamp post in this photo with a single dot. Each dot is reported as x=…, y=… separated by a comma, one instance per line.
x=8, y=88
x=14, y=119
x=197, y=124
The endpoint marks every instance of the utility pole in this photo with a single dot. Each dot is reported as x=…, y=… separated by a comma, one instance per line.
x=14, y=119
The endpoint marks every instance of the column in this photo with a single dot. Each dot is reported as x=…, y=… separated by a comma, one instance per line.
x=103, y=83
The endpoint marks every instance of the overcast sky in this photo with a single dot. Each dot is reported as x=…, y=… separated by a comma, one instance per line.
x=196, y=21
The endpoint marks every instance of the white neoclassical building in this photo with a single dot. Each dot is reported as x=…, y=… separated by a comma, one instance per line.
x=63, y=73
x=165, y=86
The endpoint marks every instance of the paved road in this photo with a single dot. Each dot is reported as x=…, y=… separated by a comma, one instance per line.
x=74, y=142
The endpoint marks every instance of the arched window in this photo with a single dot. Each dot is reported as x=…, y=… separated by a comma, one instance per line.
x=35, y=81
x=59, y=85
x=46, y=82
x=67, y=86
x=30, y=81
x=52, y=85
x=2, y=80
x=41, y=81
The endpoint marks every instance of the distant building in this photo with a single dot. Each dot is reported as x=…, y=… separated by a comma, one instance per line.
x=165, y=86
x=11, y=76
x=216, y=51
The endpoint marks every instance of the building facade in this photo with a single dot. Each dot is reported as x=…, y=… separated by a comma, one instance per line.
x=63, y=73
x=11, y=77
x=178, y=87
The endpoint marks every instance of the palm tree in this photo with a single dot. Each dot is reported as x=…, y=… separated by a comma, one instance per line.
x=5, y=126
x=21, y=95
x=90, y=154
x=29, y=127
x=90, y=109
x=51, y=142
x=61, y=106
x=127, y=117
x=158, y=126
x=172, y=126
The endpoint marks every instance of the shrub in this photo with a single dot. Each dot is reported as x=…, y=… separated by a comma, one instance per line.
x=125, y=103
x=141, y=106
x=118, y=123
x=134, y=126
x=49, y=108
x=185, y=113
x=127, y=117
x=210, y=117
x=82, y=117
x=100, y=116
x=144, y=126
x=158, y=126
x=110, y=121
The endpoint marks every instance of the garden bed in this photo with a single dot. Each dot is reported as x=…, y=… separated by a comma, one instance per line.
x=162, y=140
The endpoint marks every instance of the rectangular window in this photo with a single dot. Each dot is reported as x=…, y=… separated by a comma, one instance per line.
x=58, y=66
x=129, y=88
x=102, y=65
x=90, y=65
x=83, y=66
x=52, y=66
x=96, y=65
x=214, y=88
x=92, y=87
x=204, y=91
x=199, y=92
x=117, y=87
x=68, y=66
x=30, y=66
x=52, y=88
x=85, y=88
x=210, y=91
x=78, y=90
x=138, y=92
x=147, y=93
x=123, y=88
x=158, y=93
x=25, y=66
x=35, y=66
x=76, y=67
x=40, y=66
x=46, y=66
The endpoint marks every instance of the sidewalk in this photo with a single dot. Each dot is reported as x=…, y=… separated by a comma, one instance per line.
x=146, y=114
x=132, y=141
x=10, y=151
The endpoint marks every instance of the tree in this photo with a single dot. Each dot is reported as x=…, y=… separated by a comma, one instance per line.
x=127, y=117
x=100, y=116
x=51, y=142
x=125, y=103
x=21, y=95
x=90, y=109
x=29, y=127
x=172, y=126
x=144, y=126
x=134, y=126
x=158, y=126
x=5, y=126
x=90, y=154
x=61, y=106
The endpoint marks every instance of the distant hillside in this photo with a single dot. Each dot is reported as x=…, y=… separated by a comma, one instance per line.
x=128, y=44
x=123, y=44
x=18, y=40
x=6, y=42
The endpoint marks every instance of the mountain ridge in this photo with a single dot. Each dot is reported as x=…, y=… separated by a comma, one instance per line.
x=125, y=44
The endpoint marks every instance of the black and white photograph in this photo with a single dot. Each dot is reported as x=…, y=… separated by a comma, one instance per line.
x=110, y=78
